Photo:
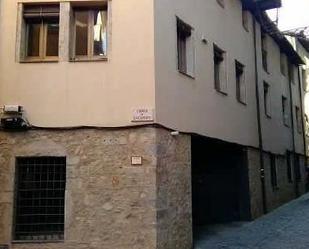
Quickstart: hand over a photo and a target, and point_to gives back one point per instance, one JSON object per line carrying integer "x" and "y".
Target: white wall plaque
{"x": 143, "y": 115}
{"x": 136, "y": 160}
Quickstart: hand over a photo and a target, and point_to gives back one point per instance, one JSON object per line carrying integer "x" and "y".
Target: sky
{"x": 293, "y": 14}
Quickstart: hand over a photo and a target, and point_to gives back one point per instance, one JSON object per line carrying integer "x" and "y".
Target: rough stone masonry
{"x": 109, "y": 203}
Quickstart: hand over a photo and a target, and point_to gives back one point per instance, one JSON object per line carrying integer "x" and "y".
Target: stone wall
{"x": 255, "y": 185}
{"x": 275, "y": 197}
{"x": 174, "y": 191}
{"x": 109, "y": 203}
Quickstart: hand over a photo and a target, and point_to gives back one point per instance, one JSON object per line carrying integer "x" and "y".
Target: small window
{"x": 298, "y": 119}
{"x": 221, "y": 3}
{"x": 289, "y": 166}
{"x": 220, "y": 70}
{"x": 283, "y": 64}
{"x": 245, "y": 19}
{"x": 273, "y": 171}
{"x": 40, "y": 192}
{"x": 42, "y": 32}
{"x": 267, "y": 104}
{"x": 90, "y": 33}
{"x": 304, "y": 80}
{"x": 240, "y": 82}
{"x": 264, "y": 51}
{"x": 297, "y": 168}
{"x": 185, "y": 48}
{"x": 285, "y": 116}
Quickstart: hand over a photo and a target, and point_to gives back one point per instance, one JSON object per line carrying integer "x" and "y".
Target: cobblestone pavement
{"x": 284, "y": 228}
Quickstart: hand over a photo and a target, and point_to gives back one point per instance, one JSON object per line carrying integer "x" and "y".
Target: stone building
{"x": 130, "y": 124}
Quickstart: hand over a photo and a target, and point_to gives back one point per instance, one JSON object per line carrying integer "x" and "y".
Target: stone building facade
{"x": 109, "y": 203}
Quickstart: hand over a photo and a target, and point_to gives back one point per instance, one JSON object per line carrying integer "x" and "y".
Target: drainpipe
{"x": 262, "y": 167}
{"x": 293, "y": 137}
{"x": 302, "y": 115}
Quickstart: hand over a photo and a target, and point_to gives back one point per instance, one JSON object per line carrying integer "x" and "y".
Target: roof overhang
{"x": 285, "y": 46}
{"x": 262, "y": 4}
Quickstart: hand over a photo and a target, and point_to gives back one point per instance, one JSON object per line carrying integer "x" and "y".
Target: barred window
{"x": 39, "y": 204}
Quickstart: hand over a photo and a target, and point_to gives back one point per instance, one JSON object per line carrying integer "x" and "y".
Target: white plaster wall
{"x": 193, "y": 105}
{"x": 277, "y": 137}
{"x": 67, "y": 94}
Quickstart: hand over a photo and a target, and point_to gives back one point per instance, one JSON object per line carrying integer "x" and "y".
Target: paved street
{"x": 285, "y": 228}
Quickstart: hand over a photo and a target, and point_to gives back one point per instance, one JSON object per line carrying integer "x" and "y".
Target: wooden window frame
{"x": 42, "y": 57}
{"x": 42, "y": 45}
{"x": 90, "y": 56}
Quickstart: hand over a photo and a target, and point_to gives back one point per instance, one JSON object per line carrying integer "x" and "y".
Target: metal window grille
{"x": 40, "y": 192}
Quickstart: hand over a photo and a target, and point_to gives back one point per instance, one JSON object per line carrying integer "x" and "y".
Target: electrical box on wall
{"x": 13, "y": 119}
{"x": 12, "y": 109}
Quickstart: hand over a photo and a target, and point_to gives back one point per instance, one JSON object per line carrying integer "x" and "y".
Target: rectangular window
{"x": 267, "y": 104}
{"x": 289, "y": 166}
{"x": 185, "y": 48}
{"x": 90, "y": 33}
{"x": 42, "y": 31}
{"x": 264, "y": 51}
{"x": 40, "y": 192}
{"x": 298, "y": 119}
{"x": 240, "y": 82}
{"x": 297, "y": 168}
{"x": 219, "y": 70}
{"x": 273, "y": 171}
{"x": 245, "y": 19}
{"x": 285, "y": 116}
{"x": 304, "y": 79}
{"x": 283, "y": 64}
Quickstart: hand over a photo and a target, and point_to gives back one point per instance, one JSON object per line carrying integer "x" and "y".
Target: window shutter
{"x": 41, "y": 12}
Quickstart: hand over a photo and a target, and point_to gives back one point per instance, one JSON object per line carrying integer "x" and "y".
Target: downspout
{"x": 293, "y": 137}
{"x": 262, "y": 167}
{"x": 302, "y": 115}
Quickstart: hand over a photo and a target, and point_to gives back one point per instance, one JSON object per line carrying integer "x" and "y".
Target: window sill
{"x": 221, "y": 92}
{"x": 186, "y": 74}
{"x": 242, "y": 102}
{"x": 39, "y": 61}
{"x": 88, "y": 59}
{"x": 286, "y": 125}
{"x": 246, "y": 28}
{"x": 36, "y": 241}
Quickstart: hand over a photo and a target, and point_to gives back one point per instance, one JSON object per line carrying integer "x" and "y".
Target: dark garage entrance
{"x": 220, "y": 189}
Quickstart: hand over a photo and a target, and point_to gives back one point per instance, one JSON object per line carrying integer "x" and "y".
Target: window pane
{"x": 33, "y": 46}
{"x": 81, "y": 28}
{"x": 100, "y": 33}
{"x": 52, "y": 42}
